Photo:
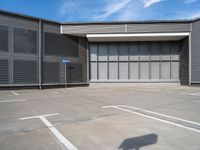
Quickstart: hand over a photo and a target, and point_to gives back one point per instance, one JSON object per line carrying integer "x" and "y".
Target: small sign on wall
{"x": 65, "y": 61}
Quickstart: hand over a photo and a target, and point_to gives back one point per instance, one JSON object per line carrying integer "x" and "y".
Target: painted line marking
{"x": 155, "y": 118}
{"x": 192, "y": 94}
{"x": 51, "y": 127}
{"x": 15, "y": 93}
{"x": 90, "y": 94}
{"x": 11, "y": 101}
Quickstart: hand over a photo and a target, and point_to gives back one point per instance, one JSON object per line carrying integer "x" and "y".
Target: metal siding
{"x": 4, "y": 73}
{"x": 162, "y": 27}
{"x": 93, "y": 71}
{"x": 3, "y": 38}
{"x": 61, "y": 45}
{"x": 24, "y": 72}
{"x": 165, "y": 70}
{"x": 21, "y": 49}
{"x": 123, "y": 52}
{"x": 133, "y": 52}
{"x": 144, "y": 70}
{"x": 51, "y": 72}
{"x": 113, "y": 52}
{"x": 123, "y": 28}
{"x": 123, "y": 71}
{"x": 184, "y": 62}
{"x": 135, "y": 61}
{"x": 102, "y": 71}
{"x": 195, "y": 54}
{"x": 155, "y": 70}
{"x": 80, "y": 29}
{"x": 134, "y": 74}
{"x": 143, "y": 51}
{"x": 102, "y": 52}
{"x": 113, "y": 71}
{"x": 93, "y": 52}
{"x": 175, "y": 70}
{"x": 25, "y": 41}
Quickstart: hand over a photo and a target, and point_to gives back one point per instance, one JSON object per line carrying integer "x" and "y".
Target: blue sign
{"x": 65, "y": 61}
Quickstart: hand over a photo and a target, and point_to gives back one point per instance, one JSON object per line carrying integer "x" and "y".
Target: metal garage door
{"x": 134, "y": 62}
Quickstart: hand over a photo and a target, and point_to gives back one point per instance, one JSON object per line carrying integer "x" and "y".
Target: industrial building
{"x": 39, "y": 52}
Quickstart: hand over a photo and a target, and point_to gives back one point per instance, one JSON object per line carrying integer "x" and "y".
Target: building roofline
{"x": 103, "y": 22}
{"x": 134, "y": 22}
{"x": 27, "y": 16}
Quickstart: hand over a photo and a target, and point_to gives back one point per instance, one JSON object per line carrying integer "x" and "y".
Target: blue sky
{"x": 104, "y": 10}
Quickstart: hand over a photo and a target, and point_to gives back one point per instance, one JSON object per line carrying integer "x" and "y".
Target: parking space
{"x": 101, "y": 117}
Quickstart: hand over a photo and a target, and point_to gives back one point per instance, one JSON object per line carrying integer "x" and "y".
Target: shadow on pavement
{"x": 136, "y": 143}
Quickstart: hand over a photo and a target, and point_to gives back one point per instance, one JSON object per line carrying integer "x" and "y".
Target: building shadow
{"x": 136, "y": 143}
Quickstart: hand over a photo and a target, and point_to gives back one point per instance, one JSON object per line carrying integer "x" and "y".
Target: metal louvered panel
{"x": 135, "y": 61}
{"x": 195, "y": 52}
{"x": 74, "y": 72}
{"x": 51, "y": 72}
{"x": 61, "y": 45}
{"x": 4, "y": 72}
{"x": 25, "y": 41}
{"x": 3, "y": 38}
{"x": 24, "y": 72}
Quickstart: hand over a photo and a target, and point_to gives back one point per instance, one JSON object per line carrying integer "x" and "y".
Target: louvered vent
{"x": 51, "y": 72}
{"x": 3, "y": 38}
{"x": 25, "y": 41}
{"x": 3, "y": 71}
{"x": 74, "y": 73}
{"x": 24, "y": 72}
{"x": 61, "y": 45}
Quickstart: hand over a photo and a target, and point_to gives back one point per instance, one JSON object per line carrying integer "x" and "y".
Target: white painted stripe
{"x": 159, "y": 114}
{"x": 154, "y": 118}
{"x": 138, "y": 35}
{"x": 59, "y": 136}
{"x": 11, "y": 101}
{"x": 15, "y": 93}
{"x": 192, "y": 94}
{"x": 33, "y": 117}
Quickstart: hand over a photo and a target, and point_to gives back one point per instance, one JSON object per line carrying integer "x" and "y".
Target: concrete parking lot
{"x": 101, "y": 117}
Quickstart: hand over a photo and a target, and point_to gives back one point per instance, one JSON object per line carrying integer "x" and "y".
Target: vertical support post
{"x": 40, "y": 54}
{"x": 190, "y": 61}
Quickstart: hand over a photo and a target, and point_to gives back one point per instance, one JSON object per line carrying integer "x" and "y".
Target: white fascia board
{"x": 61, "y": 29}
{"x": 137, "y": 35}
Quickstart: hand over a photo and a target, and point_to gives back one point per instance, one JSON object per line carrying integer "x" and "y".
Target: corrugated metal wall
{"x": 19, "y": 53}
{"x": 18, "y": 50}
{"x": 58, "y": 47}
{"x": 134, "y": 61}
{"x": 125, "y": 28}
{"x": 195, "y": 48}
{"x": 184, "y": 62}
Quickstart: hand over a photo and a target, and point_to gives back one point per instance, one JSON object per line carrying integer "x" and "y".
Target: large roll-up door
{"x": 134, "y": 61}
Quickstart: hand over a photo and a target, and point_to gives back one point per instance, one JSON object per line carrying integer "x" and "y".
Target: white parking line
{"x": 192, "y": 94}
{"x": 155, "y": 118}
{"x": 59, "y": 136}
{"x": 15, "y": 93}
{"x": 11, "y": 101}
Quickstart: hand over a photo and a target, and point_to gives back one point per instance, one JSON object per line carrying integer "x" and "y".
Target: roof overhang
{"x": 137, "y": 37}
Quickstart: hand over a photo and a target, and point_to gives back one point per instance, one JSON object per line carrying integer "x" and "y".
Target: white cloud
{"x": 148, "y": 3}
{"x": 67, "y": 6}
{"x": 113, "y": 6}
{"x": 191, "y": 1}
